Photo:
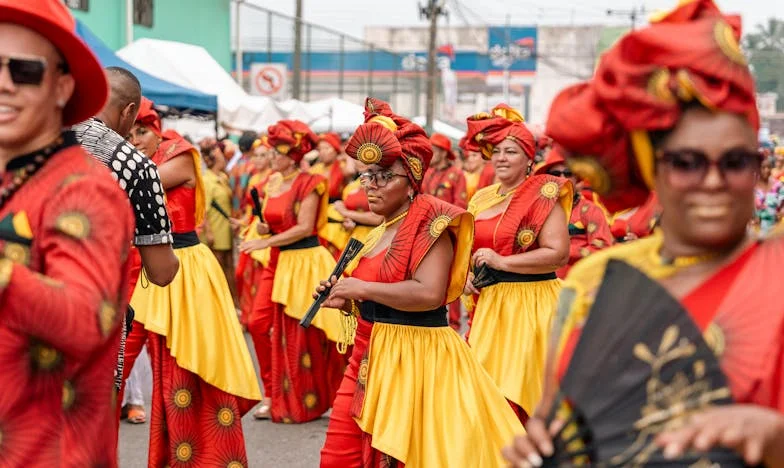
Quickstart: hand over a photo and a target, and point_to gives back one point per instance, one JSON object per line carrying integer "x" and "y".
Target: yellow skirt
{"x": 262, "y": 256}
{"x": 196, "y": 314}
{"x": 333, "y": 232}
{"x": 297, "y": 276}
{"x": 429, "y": 403}
{"x": 509, "y": 335}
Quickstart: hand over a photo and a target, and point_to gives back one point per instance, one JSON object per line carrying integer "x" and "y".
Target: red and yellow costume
{"x": 448, "y": 183}
{"x": 300, "y": 368}
{"x": 511, "y": 320}
{"x": 397, "y": 400}
{"x": 332, "y": 233}
{"x": 203, "y": 376}
{"x": 588, "y": 228}
{"x": 479, "y": 179}
{"x": 66, "y": 228}
{"x": 639, "y": 221}
{"x": 741, "y": 315}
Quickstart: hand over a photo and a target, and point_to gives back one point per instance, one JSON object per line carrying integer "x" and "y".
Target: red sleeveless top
{"x": 280, "y": 210}
{"x": 180, "y": 200}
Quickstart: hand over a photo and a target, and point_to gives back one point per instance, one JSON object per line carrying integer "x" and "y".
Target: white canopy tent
{"x": 192, "y": 66}
{"x": 335, "y": 115}
{"x": 453, "y": 133}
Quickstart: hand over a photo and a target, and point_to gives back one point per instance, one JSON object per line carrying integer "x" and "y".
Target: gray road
{"x": 268, "y": 445}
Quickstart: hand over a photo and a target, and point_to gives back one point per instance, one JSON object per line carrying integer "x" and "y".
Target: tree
{"x": 765, "y": 48}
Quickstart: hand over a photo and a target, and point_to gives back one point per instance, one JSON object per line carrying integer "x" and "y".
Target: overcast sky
{"x": 351, "y": 16}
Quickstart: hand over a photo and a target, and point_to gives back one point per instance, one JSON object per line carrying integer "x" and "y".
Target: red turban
{"x": 486, "y": 131}
{"x": 292, "y": 138}
{"x": 442, "y": 141}
{"x": 332, "y": 138}
{"x": 554, "y": 157}
{"x": 148, "y": 117}
{"x": 640, "y": 85}
{"x": 386, "y": 137}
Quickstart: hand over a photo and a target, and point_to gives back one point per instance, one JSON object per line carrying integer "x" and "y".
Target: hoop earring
{"x": 528, "y": 170}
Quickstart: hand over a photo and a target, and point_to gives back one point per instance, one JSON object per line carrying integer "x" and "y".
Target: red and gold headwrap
{"x": 688, "y": 55}
{"x": 442, "y": 141}
{"x": 332, "y": 138}
{"x": 148, "y": 117}
{"x": 485, "y": 131}
{"x": 386, "y": 137}
{"x": 292, "y": 138}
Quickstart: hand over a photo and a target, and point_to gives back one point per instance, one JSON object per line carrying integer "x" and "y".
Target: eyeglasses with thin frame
{"x": 27, "y": 70}
{"x": 380, "y": 179}
{"x": 688, "y": 168}
{"x": 565, "y": 173}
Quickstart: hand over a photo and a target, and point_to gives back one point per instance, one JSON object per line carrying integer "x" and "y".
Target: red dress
{"x": 65, "y": 236}
{"x": 300, "y": 368}
{"x": 191, "y": 420}
{"x": 588, "y": 232}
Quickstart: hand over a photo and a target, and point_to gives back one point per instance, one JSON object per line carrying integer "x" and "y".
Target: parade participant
{"x": 217, "y": 231}
{"x": 358, "y": 219}
{"x": 443, "y": 180}
{"x": 478, "y": 172}
{"x": 768, "y": 198}
{"x": 588, "y": 228}
{"x": 333, "y": 234}
{"x": 636, "y": 222}
{"x": 249, "y": 267}
{"x": 137, "y": 175}
{"x": 300, "y": 368}
{"x": 703, "y": 255}
{"x": 397, "y": 400}
{"x": 65, "y": 231}
{"x": 242, "y": 171}
{"x": 521, "y": 234}
{"x": 203, "y": 376}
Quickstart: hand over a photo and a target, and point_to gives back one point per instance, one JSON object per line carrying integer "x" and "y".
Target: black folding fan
{"x": 640, "y": 367}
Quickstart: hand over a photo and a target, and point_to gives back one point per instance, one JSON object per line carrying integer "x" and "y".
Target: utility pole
{"x": 432, "y": 11}
{"x": 296, "y": 81}
{"x": 238, "y": 41}
{"x": 632, "y": 14}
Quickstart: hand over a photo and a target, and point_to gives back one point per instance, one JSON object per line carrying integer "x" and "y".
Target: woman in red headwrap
{"x": 397, "y": 403}
{"x": 658, "y": 101}
{"x": 337, "y": 171}
{"x": 300, "y": 368}
{"x": 588, "y": 228}
{"x": 478, "y": 172}
{"x": 521, "y": 238}
{"x": 203, "y": 375}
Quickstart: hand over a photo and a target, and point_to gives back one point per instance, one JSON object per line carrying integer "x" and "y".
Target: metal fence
{"x": 333, "y": 64}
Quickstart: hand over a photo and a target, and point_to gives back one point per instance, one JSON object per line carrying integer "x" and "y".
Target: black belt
{"x": 185, "y": 239}
{"x": 333, "y": 220}
{"x": 574, "y": 230}
{"x": 375, "y": 312}
{"x": 306, "y": 243}
{"x": 335, "y": 199}
{"x": 485, "y": 276}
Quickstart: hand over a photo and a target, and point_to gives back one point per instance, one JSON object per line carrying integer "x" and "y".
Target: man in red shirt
{"x": 65, "y": 231}
{"x": 444, "y": 180}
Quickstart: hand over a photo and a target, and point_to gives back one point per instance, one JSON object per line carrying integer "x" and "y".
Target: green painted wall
{"x": 201, "y": 22}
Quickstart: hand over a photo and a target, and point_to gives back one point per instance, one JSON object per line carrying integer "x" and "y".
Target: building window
{"x": 83, "y": 5}
{"x": 142, "y": 12}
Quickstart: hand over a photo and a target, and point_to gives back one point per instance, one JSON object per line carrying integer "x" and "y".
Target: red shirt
{"x": 447, "y": 184}
{"x": 62, "y": 299}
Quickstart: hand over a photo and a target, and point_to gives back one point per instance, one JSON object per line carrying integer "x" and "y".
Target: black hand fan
{"x": 254, "y": 198}
{"x": 639, "y": 368}
{"x": 351, "y": 251}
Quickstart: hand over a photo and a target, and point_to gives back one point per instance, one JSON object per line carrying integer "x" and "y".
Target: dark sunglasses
{"x": 689, "y": 167}
{"x": 27, "y": 71}
{"x": 565, "y": 173}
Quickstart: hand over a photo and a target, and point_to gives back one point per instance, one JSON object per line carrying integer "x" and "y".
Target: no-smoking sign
{"x": 268, "y": 79}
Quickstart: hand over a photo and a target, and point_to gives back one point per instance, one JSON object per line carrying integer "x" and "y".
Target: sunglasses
{"x": 687, "y": 168}
{"x": 27, "y": 71}
{"x": 379, "y": 179}
{"x": 565, "y": 173}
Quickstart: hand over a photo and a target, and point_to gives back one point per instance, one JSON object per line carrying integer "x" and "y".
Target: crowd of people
{"x": 448, "y": 339}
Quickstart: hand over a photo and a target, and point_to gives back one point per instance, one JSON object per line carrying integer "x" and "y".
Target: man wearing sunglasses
{"x": 65, "y": 230}
{"x": 588, "y": 227}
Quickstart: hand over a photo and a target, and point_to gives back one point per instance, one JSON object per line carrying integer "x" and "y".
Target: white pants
{"x": 134, "y": 385}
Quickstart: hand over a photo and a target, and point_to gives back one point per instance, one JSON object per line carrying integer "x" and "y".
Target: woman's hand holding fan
{"x": 755, "y": 432}
{"x": 527, "y": 450}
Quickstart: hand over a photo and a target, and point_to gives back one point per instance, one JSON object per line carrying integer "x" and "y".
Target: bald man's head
{"x": 125, "y": 96}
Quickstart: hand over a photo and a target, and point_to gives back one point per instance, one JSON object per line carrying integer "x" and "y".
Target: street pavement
{"x": 268, "y": 445}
